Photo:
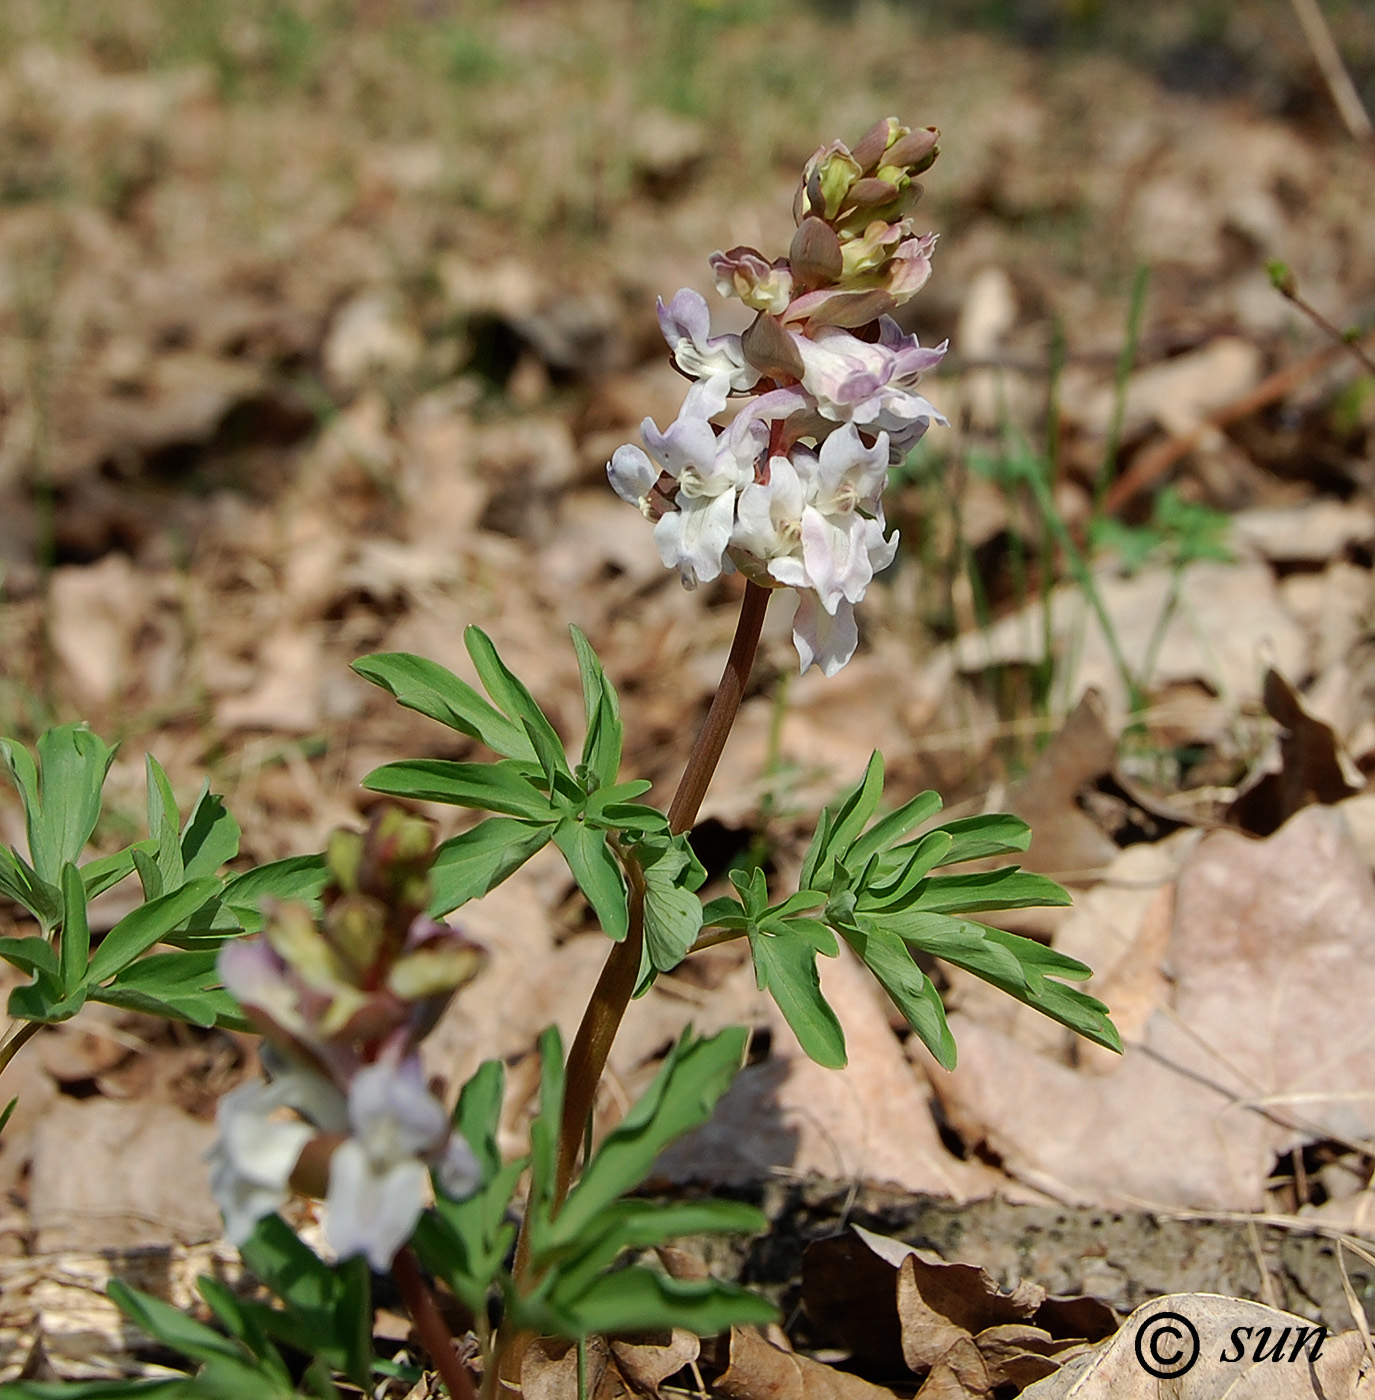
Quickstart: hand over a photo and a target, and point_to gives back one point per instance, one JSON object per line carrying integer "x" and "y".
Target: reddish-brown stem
{"x": 588, "y": 1055}
{"x": 592, "y": 1045}
{"x": 431, "y": 1327}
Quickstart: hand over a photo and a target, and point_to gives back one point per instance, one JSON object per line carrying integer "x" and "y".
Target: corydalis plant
{"x": 353, "y": 966}
{"x": 790, "y": 492}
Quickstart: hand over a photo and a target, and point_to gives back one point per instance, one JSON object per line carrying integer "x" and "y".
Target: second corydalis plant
{"x": 342, "y": 1004}
{"x": 790, "y": 493}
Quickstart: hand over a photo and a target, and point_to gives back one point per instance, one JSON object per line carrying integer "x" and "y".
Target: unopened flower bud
{"x": 343, "y": 856}
{"x": 770, "y": 349}
{"x": 915, "y": 152}
{"x": 876, "y": 141}
{"x": 760, "y": 284}
{"x": 356, "y": 927}
{"x": 815, "y": 255}
{"x": 828, "y": 177}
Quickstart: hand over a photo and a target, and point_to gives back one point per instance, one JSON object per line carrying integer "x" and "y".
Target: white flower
{"x": 379, "y": 1177}
{"x": 257, "y": 1150}
{"x": 805, "y": 522}
{"x": 686, "y": 324}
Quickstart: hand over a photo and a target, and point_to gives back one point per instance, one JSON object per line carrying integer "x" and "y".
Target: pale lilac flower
{"x": 871, "y": 384}
{"x": 379, "y": 1177}
{"x": 707, "y": 470}
{"x": 826, "y": 640}
{"x": 686, "y": 324}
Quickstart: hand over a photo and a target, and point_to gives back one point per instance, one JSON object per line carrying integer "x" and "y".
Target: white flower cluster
{"x": 790, "y": 493}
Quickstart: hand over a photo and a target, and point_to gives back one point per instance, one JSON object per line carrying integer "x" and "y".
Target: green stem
{"x": 431, "y": 1327}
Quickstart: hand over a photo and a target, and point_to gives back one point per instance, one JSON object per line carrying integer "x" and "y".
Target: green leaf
{"x": 511, "y": 697}
{"x": 911, "y": 990}
{"x": 6, "y": 1112}
{"x": 243, "y": 1321}
{"x": 919, "y": 859}
{"x": 645, "y": 1225}
{"x": 19, "y": 883}
{"x": 107, "y": 871}
{"x": 846, "y": 821}
{"x": 329, "y": 1308}
{"x": 149, "y": 873}
{"x": 295, "y": 878}
{"x": 426, "y": 687}
{"x": 151, "y": 923}
{"x": 164, "y": 823}
{"x": 44, "y": 999}
{"x": 994, "y": 834}
{"x": 672, "y": 913}
{"x": 681, "y": 1097}
{"x": 172, "y": 1388}
{"x": 487, "y": 787}
{"x": 210, "y": 838}
{"x": 477, "y": 1116}
{"x": 598, "y": 874}
{"x": 1009, "y": 888}
{"x": 181, "y": 986}
{"x": 466, "y": 1242}
{"x": 76, "y": 931}
{"x": 32, "y": 954}
{"x": 172, "y": 1327}
{"x": 785, "y": 966}
{"x": 469, "y": 865}
{"x": 1019, "y": 966}
{"x": 892, "y": 828}
{"x": 602, "y": 743}
{"x": 639, "y": 1299}
{"x": 544, "y": 1135}
{"x": 724, "y": 912}
{"x": 61, "y": 793}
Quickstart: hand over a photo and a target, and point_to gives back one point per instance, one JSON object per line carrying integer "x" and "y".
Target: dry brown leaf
{"x": 111, "y": 1173}
{"x": 645, "y": 1363}
{"x": 1306, "y": 764}
{"x": 758, "y": 1370}
{"x": 958, "y": 1374}
{"x": 1115, "y": 1370}
{"x": 1266, "y": 1043}
{"x": 1227, "y": 615}
{"x": 868, "y": 1122}
{"x": 549, "y": 1370}
{"x": 1179, "y": 393}
{"x": 1312, "y": 533}
{"x": 898, "y": 1309}
{"x": 97, "y": 612}
{"x": 1065, "y": 839}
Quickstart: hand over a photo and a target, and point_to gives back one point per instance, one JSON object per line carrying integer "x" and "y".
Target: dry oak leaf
{"x": 900, "y": 1310}
{"x": 758, "y": 1370}
{"x": 1226, "y": 1335}
{"x": 1263, "y": 1045}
